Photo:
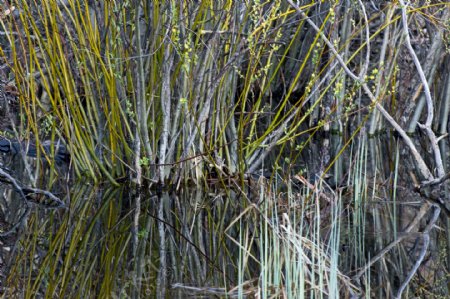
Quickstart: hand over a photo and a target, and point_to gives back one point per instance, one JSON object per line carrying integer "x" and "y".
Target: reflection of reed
{"x": 201, "y": 241}
{"x": 190, "y": 241}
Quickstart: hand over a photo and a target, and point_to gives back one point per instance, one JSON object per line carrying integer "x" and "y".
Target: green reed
{"x": 164, "y": 91}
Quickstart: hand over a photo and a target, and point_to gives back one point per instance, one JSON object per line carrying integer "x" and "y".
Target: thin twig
{"x": 424, "y": 170}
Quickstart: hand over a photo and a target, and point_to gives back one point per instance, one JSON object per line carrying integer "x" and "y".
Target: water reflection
{"x": 123, "y": 242}
{"x": 103, "y": 245}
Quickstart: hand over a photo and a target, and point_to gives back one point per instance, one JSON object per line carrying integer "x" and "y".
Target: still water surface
{"x": 205, "y": 243}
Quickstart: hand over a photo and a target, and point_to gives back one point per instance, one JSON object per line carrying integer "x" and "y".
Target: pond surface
{"x": 99, "y": 245}
{"x": 260, "y": 239}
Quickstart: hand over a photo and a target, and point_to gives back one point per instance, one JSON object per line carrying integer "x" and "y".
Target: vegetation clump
{"x": 282, "y": 100}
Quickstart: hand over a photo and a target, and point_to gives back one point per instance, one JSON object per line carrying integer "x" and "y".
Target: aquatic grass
{"x": 359, "y": 183}
{"x": 69, "y": 87}
{"x": 294, "y": 259}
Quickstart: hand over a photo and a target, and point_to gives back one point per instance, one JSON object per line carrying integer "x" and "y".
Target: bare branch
{"x": 423, "y": 168}
{"x": 426, "y": 88}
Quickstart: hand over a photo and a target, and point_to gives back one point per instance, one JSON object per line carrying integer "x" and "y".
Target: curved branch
{"x": 423, "y": 168}
{"x": 426, "y": 88}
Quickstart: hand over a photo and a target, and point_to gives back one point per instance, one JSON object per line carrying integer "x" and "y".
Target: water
{"x": 218, "y": 242}
{"x": 93, "y": 248}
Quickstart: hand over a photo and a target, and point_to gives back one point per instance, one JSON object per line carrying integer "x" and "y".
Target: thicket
{"x": 184, "y": 91}
{"x": 178, "y": 90}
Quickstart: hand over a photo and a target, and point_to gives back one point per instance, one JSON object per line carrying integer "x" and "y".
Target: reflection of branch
{"x": 12, "y": 181}
{"x": 25, "y": 191}
{"x": 423, "y": 190}
{"x": 18, "y": 223}
{"x": 426, "y": 242}
{"x": 423, "y": 210}
{"x": 208, "y": 259}
{"x": 46, "y": 193}
{"x": 434, "y": 182}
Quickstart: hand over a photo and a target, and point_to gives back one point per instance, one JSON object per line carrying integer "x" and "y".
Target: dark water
{"x": 126, "y": 243}
{"x": 100, "y": 246}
